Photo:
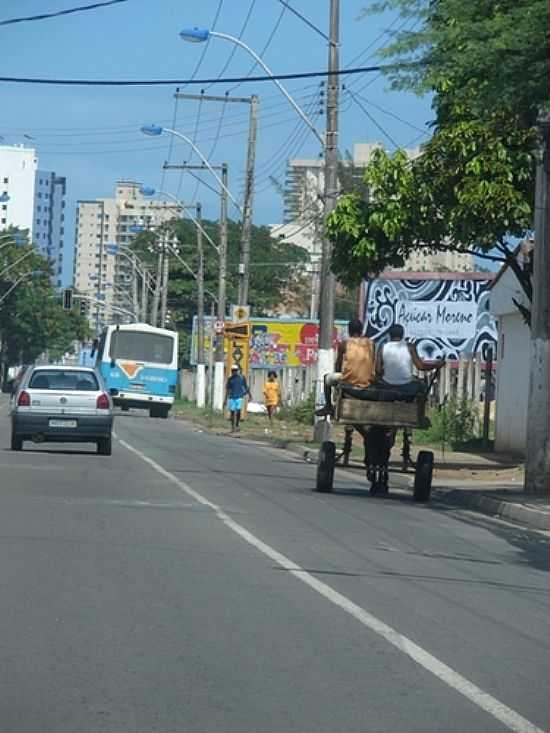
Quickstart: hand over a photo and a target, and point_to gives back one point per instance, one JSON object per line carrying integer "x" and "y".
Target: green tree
{"x": 32, "y": 319}
{"x": 276, "y": 273}
{"x": 472, "y": 189}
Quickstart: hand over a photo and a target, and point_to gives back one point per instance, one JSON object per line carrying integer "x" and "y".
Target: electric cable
{"x": 58, "y": 13}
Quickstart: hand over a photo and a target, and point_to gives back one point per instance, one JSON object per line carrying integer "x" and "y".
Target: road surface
{"x": 193, "y": 583}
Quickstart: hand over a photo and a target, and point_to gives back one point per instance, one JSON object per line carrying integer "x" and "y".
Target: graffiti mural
{"x": 443, "y": 316}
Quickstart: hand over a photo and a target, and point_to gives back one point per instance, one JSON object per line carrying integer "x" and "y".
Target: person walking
{"x": 235, "y": 391}
{"x": 272, "y": 394}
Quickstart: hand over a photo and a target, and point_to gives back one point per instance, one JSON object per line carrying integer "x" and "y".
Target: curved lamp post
{"x": 201, "y": 35}
{"x": 157, "y": 130}
{"x": 200, "y": 387}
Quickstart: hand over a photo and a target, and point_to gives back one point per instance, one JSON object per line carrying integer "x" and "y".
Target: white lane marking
{"x": 508, "y": 717}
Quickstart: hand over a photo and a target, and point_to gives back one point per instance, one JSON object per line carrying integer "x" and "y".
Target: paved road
{"x": 195, "y": 584}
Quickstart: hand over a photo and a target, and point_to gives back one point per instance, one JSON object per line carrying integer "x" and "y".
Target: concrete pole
{"x": 135, "y": 299}
{"x": 165, "y": 278}
{"x": 537, "y": 476}
{"x": 201, "y": 362}
{"x": 219, "y": 366}
{"x": 244, "y": 260}
{"x": 325, "y": 362}
{"x": 144, "y": 296}
{"x": 156, "y": 295}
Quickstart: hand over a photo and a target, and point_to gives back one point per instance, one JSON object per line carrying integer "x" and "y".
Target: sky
{"x": 92, "y": 135}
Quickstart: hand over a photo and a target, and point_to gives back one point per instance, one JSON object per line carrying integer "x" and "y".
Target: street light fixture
{"x": 156, "y": 130}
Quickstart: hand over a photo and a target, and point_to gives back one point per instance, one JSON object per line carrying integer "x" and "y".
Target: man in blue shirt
{"x": 235, "y": 392}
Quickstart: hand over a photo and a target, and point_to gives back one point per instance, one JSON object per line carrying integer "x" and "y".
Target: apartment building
{"x": 302, "y": 214}
{"x": 104, "y": 279}
{"x": 35, "y": 201}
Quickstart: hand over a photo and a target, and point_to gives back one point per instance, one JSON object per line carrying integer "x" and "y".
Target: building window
{"x": 6, "y": 180}
{"x": 4, "y": 207}
{"x": 4, "y": 221}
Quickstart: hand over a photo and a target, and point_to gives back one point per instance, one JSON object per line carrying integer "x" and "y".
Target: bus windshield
{"x": 141, "y": 346}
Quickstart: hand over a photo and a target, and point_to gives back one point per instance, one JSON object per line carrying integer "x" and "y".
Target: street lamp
{"x": 4, "y": 198}
{"x": 219, "y": 367}
{"x": 329, "y": 144}
{"x": 199, "y": 277}
{"x": 157, "y": 130}
{"x": 201, "y": 35}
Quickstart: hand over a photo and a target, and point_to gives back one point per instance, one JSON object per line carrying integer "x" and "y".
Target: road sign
{"x": 240, "y": 313}
{"x": 240, "y": 330}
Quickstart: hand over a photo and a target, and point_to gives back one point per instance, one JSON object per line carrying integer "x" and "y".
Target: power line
{"x": 181, "y": 82}
{"x": 241, "y": 33}
{"x": 265, "y": 47}
{"x": 68, "y": 11}
{"x": 387, "y": 112}
{"x": 305, "y": 20}
{"x": 371, "y": 118}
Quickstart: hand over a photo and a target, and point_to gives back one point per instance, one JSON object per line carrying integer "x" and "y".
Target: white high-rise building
{"x": 36, "y": 202}
{"x": 303, "y": 211}
{"x": 103, "y": 278}
{"x": 18, "y": 166}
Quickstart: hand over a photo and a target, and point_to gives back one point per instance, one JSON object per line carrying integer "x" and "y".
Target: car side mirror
{"x": 113, "y": 392}
{"x": 113, "y": 363}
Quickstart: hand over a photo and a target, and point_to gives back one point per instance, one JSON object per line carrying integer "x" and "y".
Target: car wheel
{"x": 16, "y": 442}
{"x": 105, "y": 446}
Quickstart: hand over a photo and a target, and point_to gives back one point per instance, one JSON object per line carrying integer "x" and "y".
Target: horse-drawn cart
{"x": 376, "y": 415}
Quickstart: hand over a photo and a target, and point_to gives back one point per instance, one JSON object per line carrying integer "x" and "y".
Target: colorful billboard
{"x": 277, "y": 343}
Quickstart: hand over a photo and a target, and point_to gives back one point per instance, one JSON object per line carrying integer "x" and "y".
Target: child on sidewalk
{"x": 272, "y": 394}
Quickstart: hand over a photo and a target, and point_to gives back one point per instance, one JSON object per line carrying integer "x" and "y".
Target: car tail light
{"x": 24, "y": 400}
{"x": 102, "y": 402}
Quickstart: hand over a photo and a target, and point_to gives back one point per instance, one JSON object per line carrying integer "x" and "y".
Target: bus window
{"x": 140, "y": 346}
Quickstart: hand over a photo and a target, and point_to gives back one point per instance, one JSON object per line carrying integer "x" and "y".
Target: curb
{"x": 493, "y": 506}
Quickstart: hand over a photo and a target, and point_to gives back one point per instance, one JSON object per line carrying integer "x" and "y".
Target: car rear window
{"x": 66, "y": 381}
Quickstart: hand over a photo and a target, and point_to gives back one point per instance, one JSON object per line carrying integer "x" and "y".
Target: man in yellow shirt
{"x": 272, "y": 394}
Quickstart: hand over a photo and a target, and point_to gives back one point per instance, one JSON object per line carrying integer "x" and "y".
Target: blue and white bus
{"x": 139, "y": 364}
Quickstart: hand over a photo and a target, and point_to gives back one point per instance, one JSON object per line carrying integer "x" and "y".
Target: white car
{"x": 62, "y": 404}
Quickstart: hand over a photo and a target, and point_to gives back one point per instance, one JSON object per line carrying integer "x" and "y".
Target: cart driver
{"x": 355, "y": 365}
{"x": 395, "y": 361}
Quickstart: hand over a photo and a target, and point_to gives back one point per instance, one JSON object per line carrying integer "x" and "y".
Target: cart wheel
{"x": 423, "y": 476}
{"x": 325, "y": 467}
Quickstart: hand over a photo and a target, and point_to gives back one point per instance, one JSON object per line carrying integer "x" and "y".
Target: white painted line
{"x": 508, "y": 717}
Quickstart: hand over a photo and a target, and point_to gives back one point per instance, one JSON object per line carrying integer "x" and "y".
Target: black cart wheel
{"x": 325, "y": 467}
{"x": 423, "y": 476}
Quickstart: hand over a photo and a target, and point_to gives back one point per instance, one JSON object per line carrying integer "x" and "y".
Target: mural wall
{"x": 443, "y": 316}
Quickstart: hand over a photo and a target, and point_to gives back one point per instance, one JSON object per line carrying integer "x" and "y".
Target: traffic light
{"x": 83, "y": 307}
{"x": 67, "y": 299}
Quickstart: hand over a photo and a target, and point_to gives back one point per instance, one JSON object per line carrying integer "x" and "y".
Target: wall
{"x": 512, "y": 384}
{"x": 17, "y": 178}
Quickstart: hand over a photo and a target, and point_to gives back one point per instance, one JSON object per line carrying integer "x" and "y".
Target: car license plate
{"x": 63, "y": 423}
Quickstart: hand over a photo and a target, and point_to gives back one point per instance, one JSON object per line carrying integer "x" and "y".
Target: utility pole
{"x": 219, "y": 366}
{"x": 325, "y": 362}
{"x": 244, "y": 259}
{"x": 156, "y": 295}
{"x": 201, "y": 361}
{"x": 537, "y": 476}
{"x": 144, "y": 296}
{"x": 100, "y": 269}
{"x": 165, "y": 278}
{"x": 244, "y": 256}
{"x": 135, "y": 299}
